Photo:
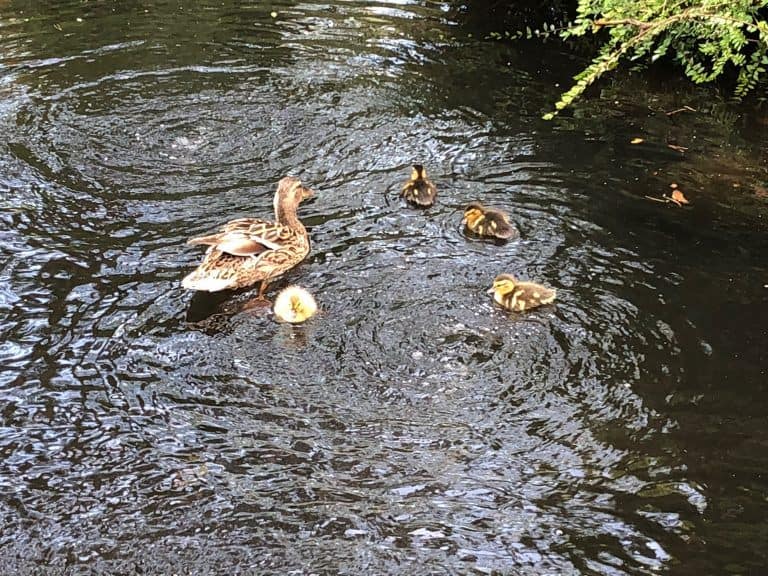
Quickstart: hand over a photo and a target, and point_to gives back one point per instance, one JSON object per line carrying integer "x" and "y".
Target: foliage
{"x": 708, "y": 38}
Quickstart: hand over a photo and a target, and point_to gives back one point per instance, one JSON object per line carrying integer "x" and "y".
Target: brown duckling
{"x": 519, "y": 296}
{"x": 294, "y": 304}
{"x": 419, "y": 190}
{"x": 488, "y": 222}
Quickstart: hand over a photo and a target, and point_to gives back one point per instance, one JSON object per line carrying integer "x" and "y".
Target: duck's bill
{"x": 490, "y": 290}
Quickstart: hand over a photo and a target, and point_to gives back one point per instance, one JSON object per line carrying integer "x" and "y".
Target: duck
{"x": 488, "y": 222}
{"x": 518, "y": 296}
{"x": 294, "y": 304}
{"x": 419, "y": 190}
{"x": 249, "y": 250}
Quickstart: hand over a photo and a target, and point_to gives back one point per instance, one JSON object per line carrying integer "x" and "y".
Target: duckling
{"x": 519, "y": 296}
{"x": 294, "y": 304}
{"x": 419, "y": 190}
{"x": 488, "y": 222}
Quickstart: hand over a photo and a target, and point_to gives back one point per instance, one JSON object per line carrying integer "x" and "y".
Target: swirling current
{"x": 412, "y": 427}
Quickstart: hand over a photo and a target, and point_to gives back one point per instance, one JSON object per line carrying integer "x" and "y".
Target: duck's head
{"x": 294, "y": 304}
{"x": 291, "y": 191}
{"x": 472, "y": 212}
{"x": 418, "y": 172}
{"x": 503, "y": 284}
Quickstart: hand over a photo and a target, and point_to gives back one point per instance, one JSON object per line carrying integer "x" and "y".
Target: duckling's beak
{"x": 490, "y": 290}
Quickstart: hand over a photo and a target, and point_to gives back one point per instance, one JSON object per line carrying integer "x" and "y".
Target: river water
{"x": 412, "y": 427}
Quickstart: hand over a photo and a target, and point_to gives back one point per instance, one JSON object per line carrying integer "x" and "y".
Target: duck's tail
{"x": 507, "y": 231}
{"x": 211, "y": 240}
{"x": 197, "y": 281}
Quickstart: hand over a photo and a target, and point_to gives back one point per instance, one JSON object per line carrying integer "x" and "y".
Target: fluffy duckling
{"x": 488, "y": 222}
{"x": 294, "y": 304}
{"x": 419, "y": 190}
{"x": 519, "y": 296}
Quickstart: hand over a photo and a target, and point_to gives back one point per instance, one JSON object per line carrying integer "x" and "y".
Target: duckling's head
{"x": 503, "y": 284}
{"x": 472, "y": 212}
{"x": 294, "y": 304}
{"x": 418, "y": 172}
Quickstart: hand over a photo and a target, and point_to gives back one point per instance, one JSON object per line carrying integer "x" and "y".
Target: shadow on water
{"x": 411, "y": 427}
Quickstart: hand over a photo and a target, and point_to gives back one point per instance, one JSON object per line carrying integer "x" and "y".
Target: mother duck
{"x": 250, "y": 250}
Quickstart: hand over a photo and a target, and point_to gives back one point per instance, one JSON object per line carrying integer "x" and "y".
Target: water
{"x": 413, "y": 427}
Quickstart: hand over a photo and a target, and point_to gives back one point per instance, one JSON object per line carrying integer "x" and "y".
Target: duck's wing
{"x": 245, "y": 251}
{"x": 535, "y": 294}
{"x": 247, "y": 237}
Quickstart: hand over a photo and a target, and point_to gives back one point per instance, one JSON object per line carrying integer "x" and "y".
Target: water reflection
{"x": 412, "y": 426}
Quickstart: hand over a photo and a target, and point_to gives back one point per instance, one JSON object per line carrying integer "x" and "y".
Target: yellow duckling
{"x": 519, "y": 296}
{"x": 419, "y": 190}
{"x": 294, "y": 304}
{"x": 488, "y": 222}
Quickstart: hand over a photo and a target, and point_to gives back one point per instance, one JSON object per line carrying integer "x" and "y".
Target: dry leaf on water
{"x": 678, "y": 197}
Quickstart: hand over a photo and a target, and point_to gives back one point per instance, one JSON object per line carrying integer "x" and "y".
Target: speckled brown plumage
{"x": 520, "y": 296}
{"x": 419, "y": 190}
{"x": 489, "y": 222}
{"x": 250, "y": 250}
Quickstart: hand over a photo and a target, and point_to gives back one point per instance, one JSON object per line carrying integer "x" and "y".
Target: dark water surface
{"x": 413, "y": 427}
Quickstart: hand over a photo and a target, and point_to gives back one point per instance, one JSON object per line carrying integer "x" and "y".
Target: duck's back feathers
{"x": 222, "y": 270}
{"x": 520, "y": 296}
{"x": 489, "y": 222}
{"x": 271, "y": 234}
{"x": 497, "y": 224}
{"x": 525, "y": 296}
{"x": 419, "y": 190}
{"x": 242, "y": 245}
{"x": 420, "y": 193}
